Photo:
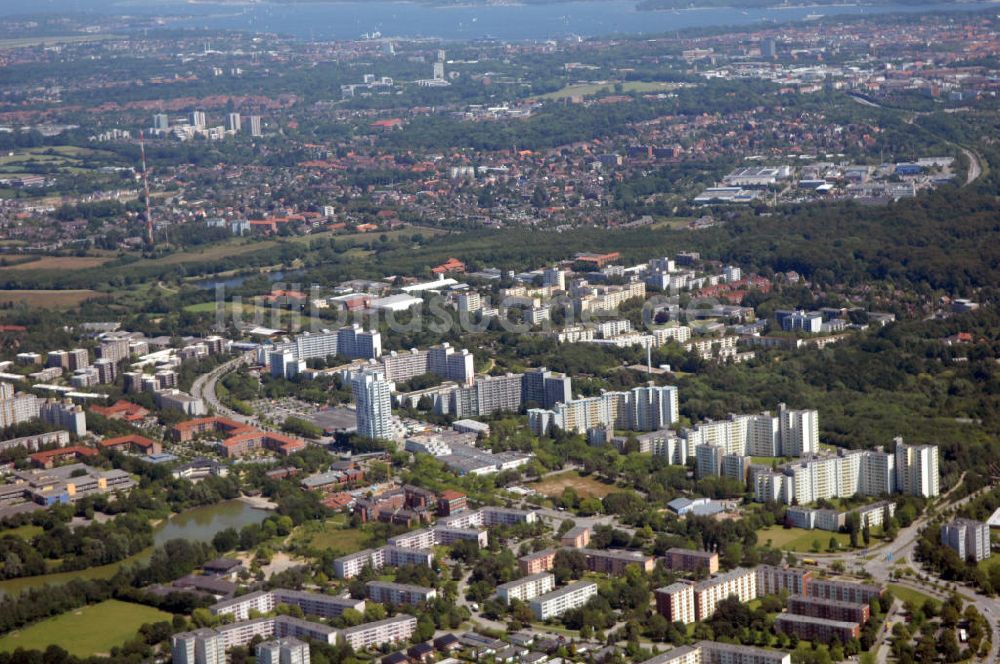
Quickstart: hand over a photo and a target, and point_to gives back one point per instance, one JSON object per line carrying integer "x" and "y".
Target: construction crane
{"x": 145, "y": 186}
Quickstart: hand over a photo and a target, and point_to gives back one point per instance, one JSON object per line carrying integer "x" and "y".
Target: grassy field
{"x": 591, "y": 89}
{"x": 909, "y": 594}
{"x": 240, "y": 246}
{"x": 25, "y": 532}
{"x": 585, "y": 487}
{"x": 989, "y": 563}
{"x": 91, "y": 630}
{"x": 799, "y": 539}
{"x": 57, "y": 155}
{"x": 48, "y": 299}
{"x": 59, "y": 263}
{"x": 333, "y": 535}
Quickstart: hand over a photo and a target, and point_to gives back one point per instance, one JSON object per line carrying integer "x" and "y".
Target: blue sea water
{"x": 348, "y": 20}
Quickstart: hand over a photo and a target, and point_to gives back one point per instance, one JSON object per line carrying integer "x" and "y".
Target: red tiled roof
{"x": 77, "y": 450}
{"x": 138, "y": 441}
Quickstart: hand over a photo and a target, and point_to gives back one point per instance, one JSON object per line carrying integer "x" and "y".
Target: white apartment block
{"x": 613, "y": 328}
{"x": 265, "y": 601}
{"x": 917, "y": 471}
{"x": 451, "y": 364}
{"x": 676, "y": 602}
{"x": 968, "y": 538}
{"x": 426, "y": 538}
{"x": 526, "y": 588}
{"x": 386, "y": 592}
{"x": 790, "y": 433}
{"x": 469, "y": 302}
{"x": 351, "y": 565}
{"x": 489, "y": 516}
{"x": 664, "y": 335}
{"x": 208, "y": 646}
{"x": 558, "y": 602}
{"x": 288, "y": 650}
{"x": 65, "y": 415}
{"x": 496, "y": 394}
{"x": 666, "y": 444}
{"x": 648, "y": 408}
{"x": 712, "y": 652}
{"x": 851, "y": 472}
{"x": 17, "y": 408}
{"x": 740, "y": 582}
{"x": 373, "y": 404}
{"x": 442, "y": 360}
{"x": 397, "y": 629}
{"x": 799, "y": 431}
{"x": 708, "y": 460}
{"x": 653, "y": 408}
{"x": 351, "y": 341}
{"x": 203, "y": 646}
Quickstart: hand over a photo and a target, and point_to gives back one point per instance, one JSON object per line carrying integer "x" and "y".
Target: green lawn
{"x": 334, "y": 535}
{"x": 25, "y": 532}
{"x": 799, "y": 539}
{"x": 909, "y": 594}
{"x": 91, "y": 630}
{"x": 989, "y": 563}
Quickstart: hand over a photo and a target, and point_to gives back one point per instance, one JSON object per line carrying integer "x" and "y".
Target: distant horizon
{"x": 339, "y": 20}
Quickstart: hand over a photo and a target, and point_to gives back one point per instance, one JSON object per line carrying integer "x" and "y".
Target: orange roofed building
{"x": 185, "y": 431}
{"x": 253, "y": 439}
{"x": 598, "y": 260}
{"x": 242, "y": 438}
{"x": 391, "y": 123}
{"x": 121, "y": 410}
{"x": 134, "y": 444}
{"x": 50, "y": 458}
{"x": 450, "y": 265}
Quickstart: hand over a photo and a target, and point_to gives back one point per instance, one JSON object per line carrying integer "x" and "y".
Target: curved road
{"x": 204, "y": 387}
{"x": 880, "y": 566}
{"x": 975, "y": 166}
{"x": 975, "y": 161}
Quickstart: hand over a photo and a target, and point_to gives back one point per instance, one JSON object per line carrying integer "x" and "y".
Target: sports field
{"x": 800, "y": 540}
{"x": 585, "y": 487}
{"x": 87, "y": 631}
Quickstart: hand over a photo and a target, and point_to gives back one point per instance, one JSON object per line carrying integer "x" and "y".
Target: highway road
{"x": 975, "y": 166}
{"x": 880, "y": 566}
{"x": 204, "y": 387}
